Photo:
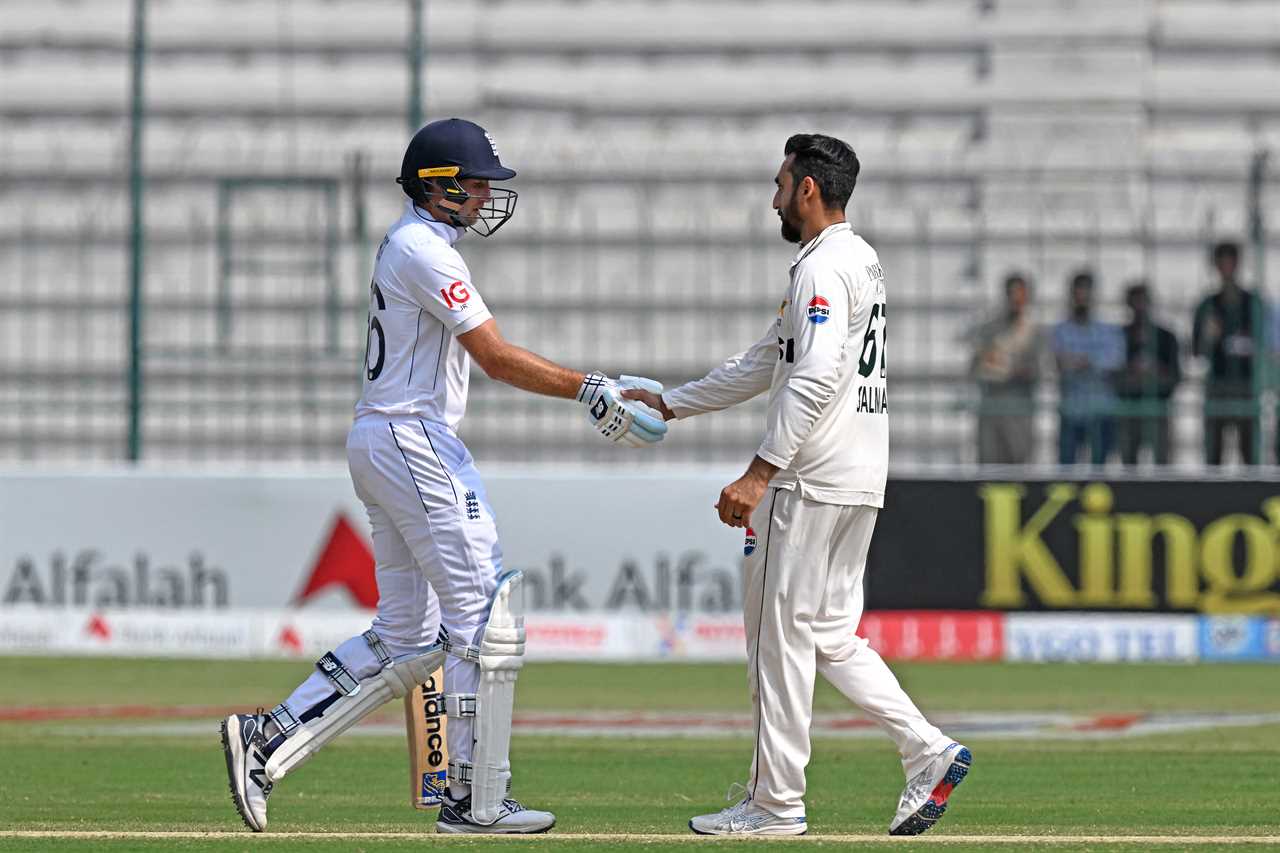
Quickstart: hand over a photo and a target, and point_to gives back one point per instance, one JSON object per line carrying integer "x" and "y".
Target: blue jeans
{"x": 1094, "y": 431}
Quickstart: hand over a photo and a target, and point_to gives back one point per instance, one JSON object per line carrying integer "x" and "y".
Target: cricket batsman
{"x": 808, "y": 502}
{"x": 434, "y": 532}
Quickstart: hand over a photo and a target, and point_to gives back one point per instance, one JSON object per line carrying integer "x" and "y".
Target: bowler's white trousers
{"x": 433, "y": 535}
{"x": 802, "y": 601}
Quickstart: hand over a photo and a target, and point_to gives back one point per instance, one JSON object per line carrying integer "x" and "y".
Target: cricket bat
{"x": 424, "y": 720}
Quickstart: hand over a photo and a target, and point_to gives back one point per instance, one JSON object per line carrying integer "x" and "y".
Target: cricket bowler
{"x": 433, "y": 528}
{"x": 808, "y": 502}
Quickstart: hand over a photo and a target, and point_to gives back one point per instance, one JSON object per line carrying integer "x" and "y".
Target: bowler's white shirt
{"x": 822, "y": 362}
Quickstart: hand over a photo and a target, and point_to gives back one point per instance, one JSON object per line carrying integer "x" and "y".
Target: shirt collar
{"x": 807, "y": 248}
{"x": 450, "y": 233}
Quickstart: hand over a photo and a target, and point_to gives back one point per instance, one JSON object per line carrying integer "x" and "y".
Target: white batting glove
{"x": 629, "y": 423}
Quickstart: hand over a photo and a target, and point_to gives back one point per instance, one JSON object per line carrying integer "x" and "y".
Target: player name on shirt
{"x": 873, "y": 399}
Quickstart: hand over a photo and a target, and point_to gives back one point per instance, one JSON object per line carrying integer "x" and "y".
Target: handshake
{"x": 624, "y": 410}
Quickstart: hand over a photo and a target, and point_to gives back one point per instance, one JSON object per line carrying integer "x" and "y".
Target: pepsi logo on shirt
{"x": 819, "y": 310}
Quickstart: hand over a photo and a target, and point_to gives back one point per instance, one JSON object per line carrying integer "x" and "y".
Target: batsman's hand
{"x": 651, "y": 399}
{"x": 627, "y": 422}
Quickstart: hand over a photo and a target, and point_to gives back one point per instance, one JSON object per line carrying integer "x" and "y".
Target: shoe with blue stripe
{"x": 924, "y": 800}
{"x": 513, "y": 819}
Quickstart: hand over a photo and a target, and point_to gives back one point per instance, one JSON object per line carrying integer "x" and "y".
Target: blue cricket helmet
{"x": 449, "y": 150}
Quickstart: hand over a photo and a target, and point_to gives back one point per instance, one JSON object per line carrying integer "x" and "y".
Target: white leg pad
{"x": 393, "y": 681}
{"x": 500, "y": 654}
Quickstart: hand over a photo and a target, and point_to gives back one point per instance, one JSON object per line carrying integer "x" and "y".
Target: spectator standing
{"x": 1006, "y": 366}
{"x": 1151, "y": 373}
{"x": 1088, "y": 354}
{"x": 1226, "y": 330}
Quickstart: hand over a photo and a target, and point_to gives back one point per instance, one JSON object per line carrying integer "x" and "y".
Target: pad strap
{"x": 460, "y": 704}
{"x": 284, "y": 719}
{"x": 376, "y": 646}
{"x": 343, "y": 709}
{"x": 463, "y": 772}
{"x": 467, "y": 653}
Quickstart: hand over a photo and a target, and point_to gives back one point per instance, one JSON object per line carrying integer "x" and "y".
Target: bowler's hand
{"x": 650, "y": 399}
{"x": 741, "y": 497}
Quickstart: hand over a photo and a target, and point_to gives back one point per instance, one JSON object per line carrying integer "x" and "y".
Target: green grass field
{"x": 1220, "y": 783}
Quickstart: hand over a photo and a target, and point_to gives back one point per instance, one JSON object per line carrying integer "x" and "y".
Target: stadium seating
{"x": 1040, "y": 135}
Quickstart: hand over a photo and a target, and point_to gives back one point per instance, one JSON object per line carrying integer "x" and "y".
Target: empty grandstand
{"x": 1041, "y": 135}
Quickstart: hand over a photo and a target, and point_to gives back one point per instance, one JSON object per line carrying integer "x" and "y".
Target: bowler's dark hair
{"x": 830, "y": 162}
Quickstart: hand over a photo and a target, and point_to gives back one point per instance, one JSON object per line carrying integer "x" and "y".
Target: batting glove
{"x": 629, "y": 423}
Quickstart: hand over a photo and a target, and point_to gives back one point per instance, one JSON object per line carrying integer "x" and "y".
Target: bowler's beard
{"x": 790, "y": 232}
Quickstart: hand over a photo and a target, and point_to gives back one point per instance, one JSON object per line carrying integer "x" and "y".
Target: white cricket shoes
{"x": 925, "y": 798}
{"x": 513, "y": 819}
{"x": 746, "y": 818}
{"x": 244, "y": 744}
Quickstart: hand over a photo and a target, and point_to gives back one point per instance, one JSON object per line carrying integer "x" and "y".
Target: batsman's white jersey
{"x": 434, "y": 535}
{"x": 420, "y": 298}
{"x": 823, "y": 363}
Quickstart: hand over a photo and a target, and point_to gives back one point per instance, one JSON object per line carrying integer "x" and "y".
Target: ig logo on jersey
{"x": 456, "y": 296}
{"x": 749, "y": 545}
{"x": 819, "y": 310}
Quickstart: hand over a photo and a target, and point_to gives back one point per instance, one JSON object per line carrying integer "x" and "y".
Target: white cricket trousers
{"x": 434, "y": 537}
{"x": 802, "y": 601}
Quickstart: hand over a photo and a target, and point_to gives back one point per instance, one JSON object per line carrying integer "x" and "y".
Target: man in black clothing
{"x": 1228, "y": 330}
{"x": 1151, "y": 372}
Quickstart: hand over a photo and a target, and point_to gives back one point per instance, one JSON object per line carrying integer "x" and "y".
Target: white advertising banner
{"x": 647, "y": 544}
{"x": 1100, "y": 637}
{"x": 231, "y": 565}
{"x": 236, "y": 633}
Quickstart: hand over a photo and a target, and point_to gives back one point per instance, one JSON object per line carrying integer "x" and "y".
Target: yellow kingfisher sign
{"x": 1211, "y": 547}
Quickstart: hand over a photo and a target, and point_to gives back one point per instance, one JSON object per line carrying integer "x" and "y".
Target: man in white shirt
{"x": 809, "y": 500}
{"x": 433, "y": 529}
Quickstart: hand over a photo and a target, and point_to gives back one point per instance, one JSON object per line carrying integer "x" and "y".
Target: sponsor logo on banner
{"x": 345, "y": 562}
{"x": 1239, "y": 638}
{"x": 88, "y": 578}
{"x": 563, "y": 635}
{"x": 715, "y": 638}
{"x": 289, "y": 640}
{"x": 1271, "y": 638}
{"x": 930, "y": 635}
{"x": 1132, "y": 546}
{"x": 1097, "y": 637}
{"x": 98, "y": 628}
{"x": 819, "y": 310}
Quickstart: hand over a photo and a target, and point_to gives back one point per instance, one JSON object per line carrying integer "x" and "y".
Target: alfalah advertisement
{"x": 634, "y": 568}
